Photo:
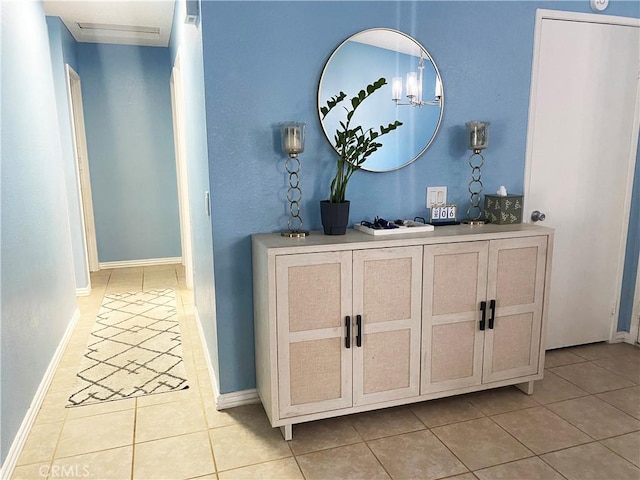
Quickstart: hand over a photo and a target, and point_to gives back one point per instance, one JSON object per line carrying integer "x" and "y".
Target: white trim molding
{"x": 237, "y": 399}
{"x": 585, "y": 17}
{"x": 225, "y": 400}
{"x": 147, "y": 262}
{"x": 205, "y": 350}
{"x": 634, "y": 335}
{"x": 29, "y": 419}
{"x": 84, "y": 291}
{"x": 623, "y": 337}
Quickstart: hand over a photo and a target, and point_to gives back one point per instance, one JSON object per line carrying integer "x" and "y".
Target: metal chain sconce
{"x": 293, "y": 144}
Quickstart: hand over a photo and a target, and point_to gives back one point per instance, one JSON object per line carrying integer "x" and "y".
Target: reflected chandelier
{"x": 414, "y": 88}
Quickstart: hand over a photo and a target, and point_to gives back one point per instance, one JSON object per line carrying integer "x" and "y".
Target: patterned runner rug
{"x": 134, "y": 349}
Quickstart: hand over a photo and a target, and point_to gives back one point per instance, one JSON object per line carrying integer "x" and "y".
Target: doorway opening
{"x": 177, "y": 104}
{"x": 82, "y": 170}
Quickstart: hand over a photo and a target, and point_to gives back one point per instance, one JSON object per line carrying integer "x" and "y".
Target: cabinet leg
{"x": 526, "y": 387}
{"x": 287, "y": 432}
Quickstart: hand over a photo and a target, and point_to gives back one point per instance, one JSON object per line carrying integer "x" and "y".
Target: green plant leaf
{"x": 354, "y": 144}
{"x": 332, "y": 102}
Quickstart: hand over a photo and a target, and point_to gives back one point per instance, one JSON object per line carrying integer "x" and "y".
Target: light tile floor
{"x": 582, "y": 422}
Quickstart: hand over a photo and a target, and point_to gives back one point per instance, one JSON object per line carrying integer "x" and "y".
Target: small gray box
{"x": 503, "y": 210}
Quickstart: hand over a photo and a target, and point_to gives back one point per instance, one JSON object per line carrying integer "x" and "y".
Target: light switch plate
{"x": 436, "y": 196}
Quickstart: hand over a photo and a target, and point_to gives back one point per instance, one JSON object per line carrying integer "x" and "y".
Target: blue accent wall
{"x": 127, "y": 108}
{"x": 63, "y": 51}
{"x": 37, "y": 279}
{"x": 186, "y": 40}
{"x": 269, "y": 73}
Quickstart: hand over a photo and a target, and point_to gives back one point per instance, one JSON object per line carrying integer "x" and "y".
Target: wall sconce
{"x": 478, "y": 140}
{"x": 414, "y": 88}
{"x": 293, "y": 144}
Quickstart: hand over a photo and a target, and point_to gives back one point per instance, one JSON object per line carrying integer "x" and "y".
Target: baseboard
{"x": 225, "y": 400}
{"x": 626, "y": 337}
{"x": 21, "y": 436}
{"x": 633, "y": 334}
{"x": 84, "y": 291}
{"x": 237, "y": 399}
{"x": 205, "y": 349}
{"x": 147, "y": 262}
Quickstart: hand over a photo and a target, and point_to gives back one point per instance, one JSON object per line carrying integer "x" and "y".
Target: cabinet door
{"x": 387, "y": 298}
{"x": 313, "y": 298}
{"x": 516, "y": 282}
{"x": 454, "y": 285}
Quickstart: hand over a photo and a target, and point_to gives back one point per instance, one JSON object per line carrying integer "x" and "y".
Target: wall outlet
{"x": 436, "y": 196}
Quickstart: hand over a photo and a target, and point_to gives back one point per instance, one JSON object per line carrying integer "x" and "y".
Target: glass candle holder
{"x": 293, "y": 138}
{"x": 477, "y": 135}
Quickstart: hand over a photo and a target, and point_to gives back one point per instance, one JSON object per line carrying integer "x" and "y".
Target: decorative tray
{"x": 407, "y": 226}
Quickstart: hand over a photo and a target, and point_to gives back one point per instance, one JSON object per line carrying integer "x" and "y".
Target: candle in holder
{"x": 478, "y": 135}
{"x": 293, "y": 138}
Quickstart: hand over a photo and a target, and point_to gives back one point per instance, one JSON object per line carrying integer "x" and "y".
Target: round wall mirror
{"x": 413, "y": 94}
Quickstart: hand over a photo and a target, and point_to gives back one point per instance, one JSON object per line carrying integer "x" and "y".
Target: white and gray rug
{"x": 134, "y": 349}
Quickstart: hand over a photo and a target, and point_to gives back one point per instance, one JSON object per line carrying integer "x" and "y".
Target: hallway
{"x": 159, "y": 431}
{"x": 581, "y": 422}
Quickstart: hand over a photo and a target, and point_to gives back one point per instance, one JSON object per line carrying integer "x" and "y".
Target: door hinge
{"x": 614, "y": 308}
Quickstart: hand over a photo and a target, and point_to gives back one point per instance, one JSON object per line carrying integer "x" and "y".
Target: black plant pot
{"x": 335, "y": 217}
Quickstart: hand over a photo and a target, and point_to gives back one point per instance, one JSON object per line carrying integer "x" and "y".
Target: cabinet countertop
{"x": 354, "y": 239}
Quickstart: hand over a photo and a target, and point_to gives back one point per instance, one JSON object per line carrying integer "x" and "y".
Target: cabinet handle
{"x": 347, "y": 323}
{"x": 359, "y": 335}
{"x": 492, "y": 306}
{"x": 483, "y": 309}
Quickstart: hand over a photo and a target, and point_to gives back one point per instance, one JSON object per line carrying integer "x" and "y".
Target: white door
{"x": 82, "y": 164}
{"x": 179, "y": 133}
{"x": 581, "y": 148}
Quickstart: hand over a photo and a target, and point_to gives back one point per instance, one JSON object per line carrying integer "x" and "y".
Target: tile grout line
{"x": 616, "y": 453}
{"x": 377, "y": 459}
{"x": 206, "y": 424}
{"x": 593, "y": 395}
{"x": 133, "y": 440}
{"x": 582, "y": 388}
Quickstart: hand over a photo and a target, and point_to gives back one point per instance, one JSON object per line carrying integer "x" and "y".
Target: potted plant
{"x": 354, "y": 145}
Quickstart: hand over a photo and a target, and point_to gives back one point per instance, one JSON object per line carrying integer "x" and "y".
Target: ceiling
{"x": 390, "y": 40}
{"x": 128, "y": 22}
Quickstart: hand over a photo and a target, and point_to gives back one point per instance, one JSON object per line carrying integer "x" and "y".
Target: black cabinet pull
{"x": 347, "y": 323}
{"x": 492, "y": 318}
{"x": 483, "y": 309}
{"x": 359, "y": 335}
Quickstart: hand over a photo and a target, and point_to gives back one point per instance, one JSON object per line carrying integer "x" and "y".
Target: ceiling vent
{"x": 119, "y": 28}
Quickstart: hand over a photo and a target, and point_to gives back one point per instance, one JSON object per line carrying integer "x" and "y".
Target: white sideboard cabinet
{"x": 352, "y": 323}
